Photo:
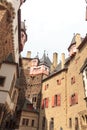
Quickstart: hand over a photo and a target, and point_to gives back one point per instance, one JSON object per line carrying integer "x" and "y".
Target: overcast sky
{"x": 51, "y": 24}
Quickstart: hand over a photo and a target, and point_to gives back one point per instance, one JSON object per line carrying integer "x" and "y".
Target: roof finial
{"x": 44, "y": 51}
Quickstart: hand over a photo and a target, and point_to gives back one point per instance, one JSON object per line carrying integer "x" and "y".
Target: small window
{"x": 58, "y": 82}
{"x": 74, "y": 99}
{"x": 52, "y": 124}
{"x": 56, "y": 100}
{"x": 46, "y": 86}
{"x": 2, "y": 80}
{"x": 32, "y": 123}
{"x": 76, "y": 124}
{"x": 73, "y": 80}
{"x": 34, "y": 99}
{"x": 70, "y": 123}
{"x": 25, "y": 121}
{"x": 43, "y": 122}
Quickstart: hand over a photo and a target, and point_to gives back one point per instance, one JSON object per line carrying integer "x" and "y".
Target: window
{"x": 34, "y": 99}
{"x": 73, "y": 80}
{"x": 43, "y": 122}
{"x": 46, "y": 86}
{"x": 51, "y": 124}
{"x": 76, "y": 124}
{"x": 32, "y": 123}
{"x": 56, "y": 100}
{"x": 2, "y": 80}
{"x": 58, "y": 82}
{"x": 25, "y": 121}
{"x": 74, "y": 99}
{"x": 45, "y": 103}
{"x": 61, "y": 128}
{"x": 70, "y": 123}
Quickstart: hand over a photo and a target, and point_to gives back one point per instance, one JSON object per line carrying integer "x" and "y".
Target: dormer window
{"x": 2, "y": 81}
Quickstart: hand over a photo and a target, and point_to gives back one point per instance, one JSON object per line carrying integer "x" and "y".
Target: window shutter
{"x": 42, "y": 105}
{"x": 45, "y": 87}
{"x": 76, "y": 98}
{"x": 53, "y": 101}
{"x": 47, "y": 99}
{"x": 58, "y": 100}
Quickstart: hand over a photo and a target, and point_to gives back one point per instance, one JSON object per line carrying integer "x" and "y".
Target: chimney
{"x": 78, "y": 40}
{"x": 62, "y": 60}
{"x": 55, "y": 59}
{"x": 28, "y": 54}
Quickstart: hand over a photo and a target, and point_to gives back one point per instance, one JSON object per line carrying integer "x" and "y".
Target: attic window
{"x": 2, "y": 80}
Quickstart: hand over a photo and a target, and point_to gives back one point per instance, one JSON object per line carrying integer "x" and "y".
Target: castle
{"x": 39, "y": 94}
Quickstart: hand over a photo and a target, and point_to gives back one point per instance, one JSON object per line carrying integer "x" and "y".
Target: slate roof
{"x": 45, "y": 60}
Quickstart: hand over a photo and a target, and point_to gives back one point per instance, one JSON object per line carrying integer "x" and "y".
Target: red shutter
{"x": 42, "y": 105}
{"x": 76, "y": 98}
{"x": 47, "y": 99}
{"x": 58, "y": 100}
{"x": 45, "y": 87}
{"x": 53, "y": 101}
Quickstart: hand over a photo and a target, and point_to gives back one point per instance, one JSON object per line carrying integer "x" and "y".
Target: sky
{"x": 51, "y": 24}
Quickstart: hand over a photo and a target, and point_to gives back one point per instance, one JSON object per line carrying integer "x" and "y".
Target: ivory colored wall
{"x": 8, "y": 71}
{"x": 57, "y": 112}
{"x": 78, "y": 87}
{"x": 62, "y": 114}
{"x": 31, "y": 116}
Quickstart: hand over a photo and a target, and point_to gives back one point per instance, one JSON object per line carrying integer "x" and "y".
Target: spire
{"x": 37, "y": 56}
{"x": 45, "y": 59}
